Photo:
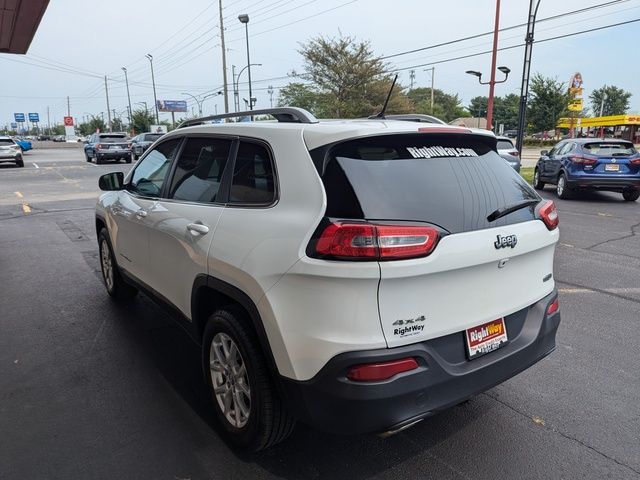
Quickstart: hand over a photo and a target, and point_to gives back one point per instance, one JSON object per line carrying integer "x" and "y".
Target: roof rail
{"x": 282, "y": 114}
{"x": 411, "y": 117}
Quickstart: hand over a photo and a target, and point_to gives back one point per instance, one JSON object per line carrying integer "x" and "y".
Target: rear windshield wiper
{"x": 501, "y": 212}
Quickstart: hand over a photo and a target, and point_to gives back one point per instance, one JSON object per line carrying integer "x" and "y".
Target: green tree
{"x": 93, "y": 125}
{"x": 345, "y": 80}
{"x": 478, "y": 106}
{"x": 141, "y": 120}
{"x": 505, "y": 111}
{"x": 616, "y": 101}
{"x": 549, "y": 100}
{"x": 117, "y": 125}
{"x": 445, "y": 106}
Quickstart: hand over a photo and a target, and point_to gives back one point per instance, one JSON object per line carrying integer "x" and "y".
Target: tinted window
{"x": 199, "y": 170}
{"x": 453, "y": 182}
{"x": 152, "y": 137}
{"x": 609, "y": 149}
{"x": 112, "y": 138}
{"x": 505, "y": 145}
{"x": 252, "y": 175}
{"x": 151, "y": 171}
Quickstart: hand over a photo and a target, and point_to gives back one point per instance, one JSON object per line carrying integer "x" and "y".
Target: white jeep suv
{"x": 355, "y": 275}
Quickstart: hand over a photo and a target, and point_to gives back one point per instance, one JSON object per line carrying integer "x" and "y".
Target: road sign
{"x": 172, "y": 105}
{"x": 68, "y": 121}
{"x": 14, "y": 125}
{"x": 34, "y": 117}
{"x": 19, "y": 117}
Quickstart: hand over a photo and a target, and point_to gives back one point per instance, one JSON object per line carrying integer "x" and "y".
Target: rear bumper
{"x": 112, "y": 155}
{"x": 332, "y": 403}
{"x": 10, "y": 158}
{"x": 604, "y": 183}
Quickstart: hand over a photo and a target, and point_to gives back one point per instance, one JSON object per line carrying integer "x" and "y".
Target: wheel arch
{"x": 209, "y": 293}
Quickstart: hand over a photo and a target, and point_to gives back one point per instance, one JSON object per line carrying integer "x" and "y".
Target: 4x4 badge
{"x": 504, "y": 242}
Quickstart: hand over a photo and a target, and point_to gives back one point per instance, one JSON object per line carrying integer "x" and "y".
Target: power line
{"x": 472, "y": 37}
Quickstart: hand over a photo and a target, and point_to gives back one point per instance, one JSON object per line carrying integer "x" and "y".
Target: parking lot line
{"x": 35, "y": 165}
{"x": 26, "y": 208}
{"x": 18, "y": 194}
{"x": 608, "y": 290}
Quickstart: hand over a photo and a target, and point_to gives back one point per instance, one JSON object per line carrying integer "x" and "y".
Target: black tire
{"x": 537, "y": 183}
{"x": 268, "y": 421}
{"x": 116, "y": 287}
{"x": 20, "y": 163}
{"x": 135, "y": 157}
{"x": 562, "y": 190}
{"x": 630, "y": 194}
{"x": 128, "y": 159}
{"x": 87, "y": 157}
{"x": 99, "y": 160}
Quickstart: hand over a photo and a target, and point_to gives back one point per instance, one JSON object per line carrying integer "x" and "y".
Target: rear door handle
{"x": 198, "y": 228}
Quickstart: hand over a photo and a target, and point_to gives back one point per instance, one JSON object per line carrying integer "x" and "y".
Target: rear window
{"x": 453, "y": 182}
{"x": 505, "y": 145}
{"x": 609, "y": 149}
{"x": 112, "y": 138}
{"x": 6, "y": 141}
{"x": 152, "y": 137}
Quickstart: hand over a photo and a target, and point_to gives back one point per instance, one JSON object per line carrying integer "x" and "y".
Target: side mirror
{"x": 111, "y": 181}
{"x": 544, "y": 153}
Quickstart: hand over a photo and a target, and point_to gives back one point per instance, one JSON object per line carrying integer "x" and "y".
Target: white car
{"x": 355, "y": 275}
{"x": 10, "y": 151}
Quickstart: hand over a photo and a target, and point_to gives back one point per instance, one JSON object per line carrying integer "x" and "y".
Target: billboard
{"x": 19, "y": 117}
{"x": 14, "y": 125}
{"x": 158, "y": 129}
{"x": 172, "y": 105}
{"x": 34, "y": 117}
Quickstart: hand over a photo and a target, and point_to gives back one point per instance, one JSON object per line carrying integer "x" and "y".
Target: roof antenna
{"x": 386, "y": 102}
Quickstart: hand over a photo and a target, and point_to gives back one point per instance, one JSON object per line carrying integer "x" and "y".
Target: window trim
{"x": 276, "y": 182}
{"x": 129, "y": 178}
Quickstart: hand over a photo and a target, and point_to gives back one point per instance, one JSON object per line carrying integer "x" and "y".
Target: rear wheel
{"x": 87, "y": 157}
{"x": 242, "y": 390}
{"x": 116, "y": 286}
{"x": 631, "y": 194}
{"x": 537, "y": 183}
{"x": 99, "y": 160}
{"x": 20, "y": 163}
{"x": 562, "y": 189}
{"x": 128, "y": 159}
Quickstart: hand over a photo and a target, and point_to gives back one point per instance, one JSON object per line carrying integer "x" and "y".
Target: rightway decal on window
{"x": 429, "y": 152}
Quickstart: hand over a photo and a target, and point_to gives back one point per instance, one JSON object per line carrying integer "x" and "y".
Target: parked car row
{"x": 10, "y": 151}
{"x": 117, "y": 146}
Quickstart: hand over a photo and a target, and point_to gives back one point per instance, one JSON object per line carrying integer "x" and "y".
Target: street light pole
{"x": 198, "y": 102}
{"x": 526, "y": 68}
{"x": 237, "y": 83}
{"x": 153, "y": 81}
{"x": 492, "y": 82}
{"x": 244, "y": 18}
{"x": 126, "y": 79}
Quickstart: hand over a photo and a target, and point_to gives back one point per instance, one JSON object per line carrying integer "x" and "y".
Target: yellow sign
{"x": 575, "y": 105}
{"x": 576, "y": 92}
{"x": 608, "y": 121}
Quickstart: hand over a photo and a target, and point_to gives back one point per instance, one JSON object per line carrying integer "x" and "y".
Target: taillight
{"x": 376, "y": 242}
{"x": 128, "y": 145}
{"x": 98, "y": 146}
{"x": 373, "y": 372}
{"x": 635, "y": 161}
{"x": 515, "y": 153}
{"x": 553, "y": 307}
{"x": 549, "y": 215}
{"x": 583, "y": 160}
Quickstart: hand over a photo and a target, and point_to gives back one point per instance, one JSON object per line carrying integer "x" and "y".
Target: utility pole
{"x": 48, "y": 121}
{"x": 526, "y": 69}
{"x": 270, "y": 92}
{"x": 153, "y": 81}
{"x": 68, "y": 107}
{"x": 126, "y": 79}
{"x": 224, "y": 62}
{"x": 433, "y": 74}
{"x": 412, "y": 78}
{"x": 492, "y": 82}
{"x": 236, "y": 98}
{"x": 106, "y": 91}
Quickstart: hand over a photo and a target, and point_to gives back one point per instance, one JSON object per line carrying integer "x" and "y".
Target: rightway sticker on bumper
{"x": 408, "y": 327}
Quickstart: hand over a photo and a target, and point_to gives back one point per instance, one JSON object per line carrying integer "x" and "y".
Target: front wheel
{"x": 242, "y": 391}
{"x": 116, "y": 286}
{"x": 537, "y": 183}
{"x": 630, "y": 194}
{"x": 562, "y": 189}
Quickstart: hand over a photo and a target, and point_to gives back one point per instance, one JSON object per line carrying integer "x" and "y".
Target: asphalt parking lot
{"x": 89, "y": 389}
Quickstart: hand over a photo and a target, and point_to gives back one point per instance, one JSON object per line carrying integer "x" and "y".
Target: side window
{"x": 253, "y": 181}
{"x": 566, "y": 149}
{"x": 556, "y": 149}
{"x": 199, "y": 170}
{"x": 150, "y": 173}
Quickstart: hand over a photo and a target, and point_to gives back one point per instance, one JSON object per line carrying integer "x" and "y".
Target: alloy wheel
{"x": 107, "y": 265}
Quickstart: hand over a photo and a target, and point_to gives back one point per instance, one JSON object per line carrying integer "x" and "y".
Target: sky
{"x": 80, "y": 41}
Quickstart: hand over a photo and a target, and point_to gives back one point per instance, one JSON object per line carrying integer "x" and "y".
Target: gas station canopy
{"x": 19, "y": 20}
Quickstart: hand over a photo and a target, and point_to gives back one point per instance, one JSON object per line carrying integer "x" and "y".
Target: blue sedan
{"x": 25, "y": 145}
{"x": 590, "y": 164}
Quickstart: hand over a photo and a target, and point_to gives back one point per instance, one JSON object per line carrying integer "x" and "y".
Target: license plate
{"x": 485, "y": 338}
{"x": 611, "y": 167}
{"x": 115, "y": 147}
